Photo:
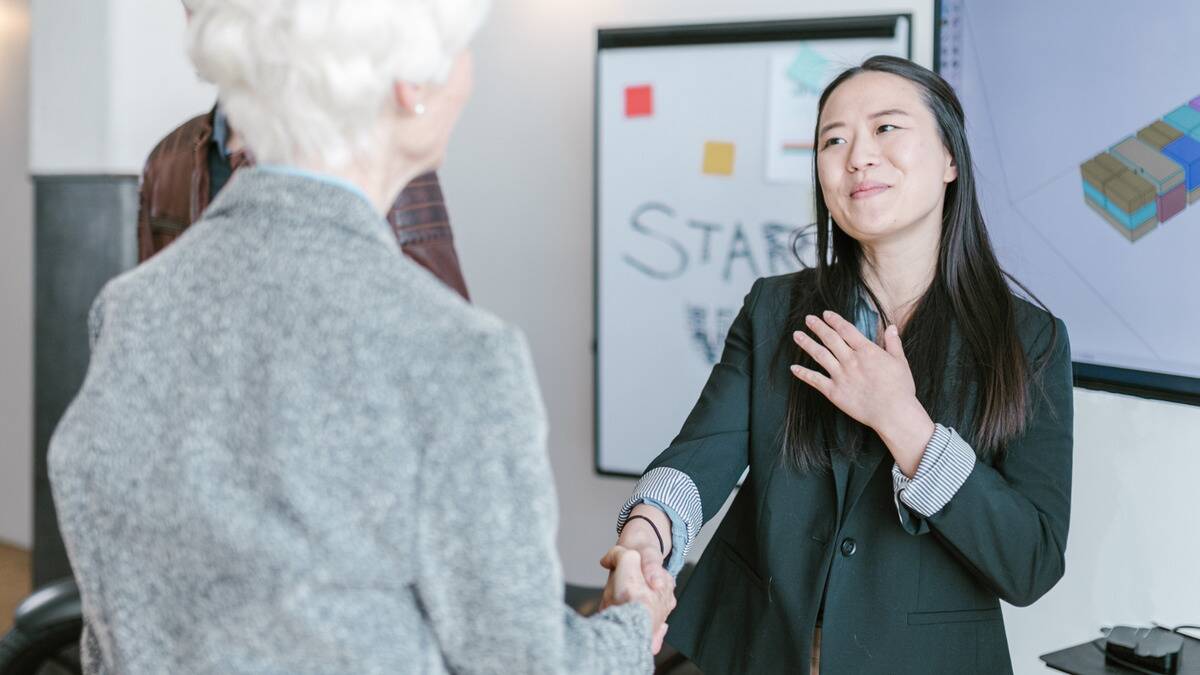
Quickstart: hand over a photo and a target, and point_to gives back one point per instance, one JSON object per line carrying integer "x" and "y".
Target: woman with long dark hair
{"x": 905, "y": 418}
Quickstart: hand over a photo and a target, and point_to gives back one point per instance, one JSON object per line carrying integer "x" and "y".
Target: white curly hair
{"x": 308, "y": 79}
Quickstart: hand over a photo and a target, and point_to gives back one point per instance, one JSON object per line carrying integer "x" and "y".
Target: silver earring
{"x": 419, "y": 109}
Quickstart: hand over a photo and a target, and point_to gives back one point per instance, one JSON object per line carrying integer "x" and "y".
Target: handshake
{"x": 636, "y": 571}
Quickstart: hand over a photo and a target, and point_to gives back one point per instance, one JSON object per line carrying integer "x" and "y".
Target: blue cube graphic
{"x": 1186, "y": 152}
{"x": 1184, "y": 118}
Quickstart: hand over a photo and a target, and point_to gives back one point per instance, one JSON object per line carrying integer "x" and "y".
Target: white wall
{"x": 16, "y": 280}
{"x": 69, "y": 87}
{"x": 1134, "y": 545}
{"x": 149, "y": 96}
{"x": 110, "y": 78}
{"x": 518, "y": 182}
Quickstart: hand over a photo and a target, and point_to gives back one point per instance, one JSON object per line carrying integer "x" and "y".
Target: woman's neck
{"x": 899, "y": 270}
{"x": 381, "y": 182}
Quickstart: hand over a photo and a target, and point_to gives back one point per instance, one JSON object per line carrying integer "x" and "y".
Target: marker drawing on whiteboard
{"x": 739, "y": 248}
{"x": 708, "y": 229}
{"x": 636, "y": 222}
{"x": 779, "y": 237}
{"x": 677, "y": 246}
{"x": 706, "y": 337}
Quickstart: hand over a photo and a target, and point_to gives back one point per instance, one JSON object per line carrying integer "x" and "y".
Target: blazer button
{"x": 848, "y": 547}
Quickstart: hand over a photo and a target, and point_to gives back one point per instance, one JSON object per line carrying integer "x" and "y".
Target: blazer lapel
{"x": 851, "y": 483}
{"x": 841, "y": 473}
{"x": 868, "y": 463}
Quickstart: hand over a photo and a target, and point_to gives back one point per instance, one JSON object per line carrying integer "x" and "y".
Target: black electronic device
{"x": 1151, "y": 649}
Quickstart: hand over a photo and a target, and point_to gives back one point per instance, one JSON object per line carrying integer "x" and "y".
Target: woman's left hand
{"x": 871, "y": 384}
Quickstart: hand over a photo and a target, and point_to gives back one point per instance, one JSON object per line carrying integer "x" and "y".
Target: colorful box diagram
{"x": 1185, "y": 118}
{"x": 1162, "y": 171}
{"x": 1147, "y": 178}
{"x": 1186, "y": 152}
{"x": 1119, "y": 196}
{"x": 1159, "y": 135}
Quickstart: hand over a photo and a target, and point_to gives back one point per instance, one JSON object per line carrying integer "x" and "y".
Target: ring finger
{"x": 833, "y": 341}
{"x": 820, "y": 354}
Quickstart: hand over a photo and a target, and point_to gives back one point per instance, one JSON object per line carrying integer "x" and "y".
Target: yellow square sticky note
{"x": 718, "y": 158}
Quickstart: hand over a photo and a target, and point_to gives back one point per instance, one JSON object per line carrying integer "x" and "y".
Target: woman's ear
{"x": 409, "y": 97}
{"x": 951, "y": 173}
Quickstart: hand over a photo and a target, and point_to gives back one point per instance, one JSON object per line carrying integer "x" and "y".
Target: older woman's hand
{"x": 627, "y": 582}
{"x": 871, "y": 384}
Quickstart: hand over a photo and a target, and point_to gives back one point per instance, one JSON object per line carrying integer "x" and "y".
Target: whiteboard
{"x": 703, "y": 184}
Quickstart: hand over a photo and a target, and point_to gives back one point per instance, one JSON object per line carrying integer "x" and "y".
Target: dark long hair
{"x": 969, "y": 294}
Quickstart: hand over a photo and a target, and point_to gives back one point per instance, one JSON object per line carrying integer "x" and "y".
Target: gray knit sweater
{"x": 297, "y": 452}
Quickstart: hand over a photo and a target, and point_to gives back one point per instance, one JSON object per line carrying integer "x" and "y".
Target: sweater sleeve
{"x": 489, "y": 578}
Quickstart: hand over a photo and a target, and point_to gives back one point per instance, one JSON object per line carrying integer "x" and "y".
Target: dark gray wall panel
{"x": 84, "y": 235}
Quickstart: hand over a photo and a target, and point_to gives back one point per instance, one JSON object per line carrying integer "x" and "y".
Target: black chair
{"x": 44, "y": 639}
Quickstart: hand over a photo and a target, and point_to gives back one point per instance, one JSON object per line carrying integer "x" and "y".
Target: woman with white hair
{"x": 296, "y": 451}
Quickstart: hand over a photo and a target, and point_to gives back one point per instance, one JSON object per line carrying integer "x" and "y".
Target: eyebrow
{"x": 881, "y": 113}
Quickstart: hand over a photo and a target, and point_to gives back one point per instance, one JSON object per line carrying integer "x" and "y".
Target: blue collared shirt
{"x": 315, "y": 175}
{"x": 220, "y": 132}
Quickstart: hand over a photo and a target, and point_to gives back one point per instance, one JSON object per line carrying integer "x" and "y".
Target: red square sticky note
{"x": 639, "y": 101}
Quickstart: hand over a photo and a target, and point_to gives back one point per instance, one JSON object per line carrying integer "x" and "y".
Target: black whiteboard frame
{"x": 1098, "y": 376}
{"x": 788, "y": 30}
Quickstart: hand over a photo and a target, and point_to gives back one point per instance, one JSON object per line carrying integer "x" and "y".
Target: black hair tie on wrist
{"x": 661, "y": 549}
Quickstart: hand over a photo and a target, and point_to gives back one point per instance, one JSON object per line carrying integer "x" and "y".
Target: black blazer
{"x": 917, "y": 599}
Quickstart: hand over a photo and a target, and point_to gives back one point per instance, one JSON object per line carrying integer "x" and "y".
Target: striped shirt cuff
{"x": 679, "y": 537}
{"x": 944, "y": 467}
{"x": 677, "y": 495}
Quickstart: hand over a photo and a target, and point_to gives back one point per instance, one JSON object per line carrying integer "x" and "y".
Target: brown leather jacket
{"x": 175, "y": 187}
